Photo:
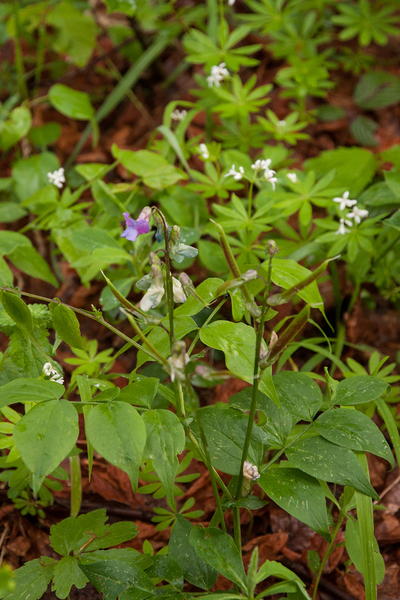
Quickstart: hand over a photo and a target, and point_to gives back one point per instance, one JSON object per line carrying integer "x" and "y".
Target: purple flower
{"x": 134, "y": 228}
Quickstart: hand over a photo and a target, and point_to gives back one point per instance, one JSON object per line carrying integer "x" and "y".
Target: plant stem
{"x": 169, "y": 285}
{"x": 327, "y": 554}
{"x": 236, "y": 528}
{"x": 90, "y": 316}
{"x": 180, "y": 405}
{"x": 256, "y": 378}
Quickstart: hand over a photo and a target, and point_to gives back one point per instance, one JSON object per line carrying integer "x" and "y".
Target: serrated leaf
{"x": 66, "y": 574}
{"x": 32, "y": 579}
{"x": 113, "y": 577}
{"x": 377, "y": 89}
{"x": 72, "y": 533}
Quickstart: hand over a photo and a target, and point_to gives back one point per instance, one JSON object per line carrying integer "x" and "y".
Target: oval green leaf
{"x": 71, "y": 103}
{"x": 359, "y": 389}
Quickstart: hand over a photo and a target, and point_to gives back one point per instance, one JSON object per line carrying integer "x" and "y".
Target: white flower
{"x": 231, "y": 2}
{"x": 177, "y": 290}
{"x": 282, "y": 123}
{"x": 235, "y": 174}
{"x": 261, "y": 164}
{"x": 357, "y": 214}
{"x": 250, "y": 472}
{"x": 57, "y": 177}
{"x": 269, "y": 176}
{"x": 342, "y": 229}
{"x": 218, "y": 74}
{"x": 292, "y": 177}
{"x": 344, "y": 201}
{"x": 204, "y": 151}
{"x": 154, "y": 294}
{"x": 49, "y": 371}
{"x": 178, "y": 115}
{"x": 177, "y": 361}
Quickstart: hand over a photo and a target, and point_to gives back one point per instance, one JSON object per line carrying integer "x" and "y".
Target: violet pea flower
{"x": 134, "y": 228}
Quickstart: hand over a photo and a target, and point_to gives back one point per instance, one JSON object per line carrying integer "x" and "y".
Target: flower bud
{"x": 145, "y": 214}
{"x": 177, "y": 361}
{"x": 177, "y": 290}
{"x": 250, "y": 474}
{"x": 271, "y": 248}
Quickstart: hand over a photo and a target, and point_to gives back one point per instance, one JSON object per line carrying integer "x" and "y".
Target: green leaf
{"x": 18, "y": 311}
{"x": 167, "y": 568}
{"x": 46, "y": 435}
{"x": 353, "y": 429}
{"x": 45, "y": 134}
{"x": 113, "y": 577}
{"x": 279, "y": 423}
{"x": 71, "y": 103}
{"x": 225, "y": 430}
{"x": 324, "y": 460}
{"x": 355, "y": 167}
{"x": 76, "y": 31}
{"x": 298, "y": 394}
{"x": 377, "y": 89}
{"x": 156, "y": 171}
{"x": 66, "y": 574}
{"x": 140, "y": 392}
{"x": 287, "y": 273}
{"x": 353, "y": 547}
{"x": 32, "y": 579}
{"x": 109, "y": 429}
{"x": 16, "y": 127}
{"x": 196, "y": 570}
{"x": 29, "y": 389}
{"x": 363, "y": 129}
{"x": 30, "y": 174}
{"x": 66, "y": 324}
{"x": 72, "y": 533}
{"x": 300, "y": 495}
{"x": 220, "y": 551}
{"x": 11, "y": 211}
{"x": 272, "y": 568}
{"x": 165, "y": 439}
{"x": 206, "y": 291}
{"x": 359, "y": 389}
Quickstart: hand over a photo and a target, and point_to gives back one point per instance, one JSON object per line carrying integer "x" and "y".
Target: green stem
{"x": 327, "y": 554}
{"x": 169, "y": 285}
{"x": 90, "y": 316}
{"x": 76, "y": 485}
{"x": 180, "y": 404}
{"x": 236, "y": 528}
{"x": 256, "y": 379}
{"x": 250, "y": 200}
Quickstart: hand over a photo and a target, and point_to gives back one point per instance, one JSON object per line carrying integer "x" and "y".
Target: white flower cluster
{"x": 218, "y": 74}
{"x": 231, "y": 2}
{"x": 356, "y": 214}
{"x": 269, "y": 174}
{"x": 178, "y": 115}
{"x": 250, "y": 471}
{"x": 58, "y": 177}
{"x": 49, "y": 371}
{"x": 235, "y": 174}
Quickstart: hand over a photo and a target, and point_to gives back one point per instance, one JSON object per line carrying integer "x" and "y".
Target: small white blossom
{"x": 49, "y": 371}
{"x": 235, "y": 174}
{"x": 261, "y": 164}
{"x": 250, "y": 472}
{"x": 292, "y": 177}
{"x": 344, "y": 201}
{"x": 204, "y": 151}
{"x": 342, "y": 229}
{"x": 177, "y": 361}
{"x": 357, "y": 214}
{"x": 57, "y": 177}
{"x": 282, "y": 123}
{"x": 272, "y": 340}
{"x": 154, "y": 294}
{"x": 218, "y": 74}
{"x": 178, "y": 115}
{"x": 269, "y": 176}
{"x": 177, "y": 290}
{"x": 231, "y": 2}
